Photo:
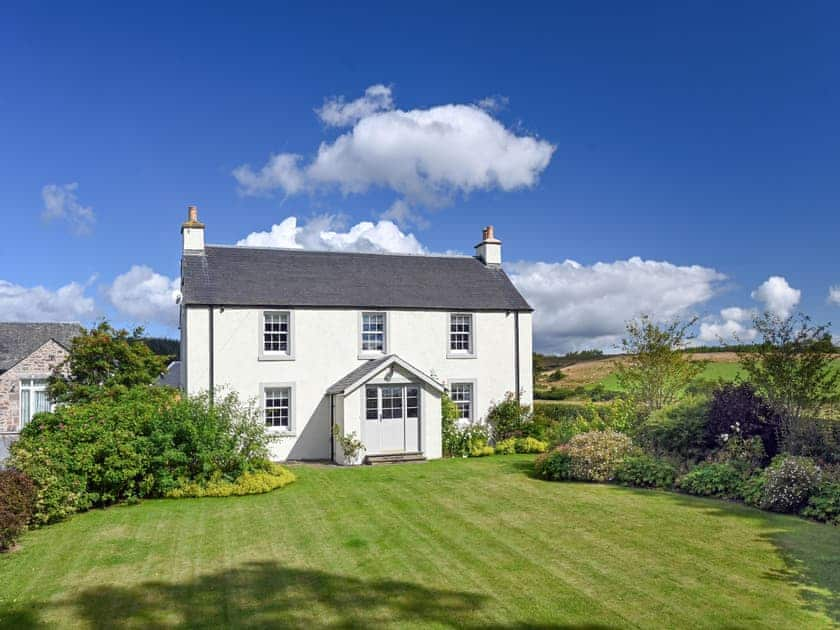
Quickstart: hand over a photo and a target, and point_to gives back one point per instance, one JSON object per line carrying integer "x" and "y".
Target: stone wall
{"x": 39, "y": 364}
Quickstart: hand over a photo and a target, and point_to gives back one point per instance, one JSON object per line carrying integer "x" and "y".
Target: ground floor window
{"x": 33, "y": 399}
{"x": 277, "y": 407}
{"x": 462, "y": 395}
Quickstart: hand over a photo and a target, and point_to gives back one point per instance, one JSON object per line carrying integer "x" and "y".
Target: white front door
{"x": 392, "y": 419}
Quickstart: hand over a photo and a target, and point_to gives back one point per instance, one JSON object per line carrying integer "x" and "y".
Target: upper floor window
{"x": 461, "y": 334}
{"x": 33, "y": 399}
{"x": 276, "y": 335}
{"x": 373, "y": 332}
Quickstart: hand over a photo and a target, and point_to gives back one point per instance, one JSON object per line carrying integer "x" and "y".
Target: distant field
{"x": 712, "y": 372}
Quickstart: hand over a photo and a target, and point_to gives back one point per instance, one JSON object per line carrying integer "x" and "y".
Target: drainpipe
{"x": 516, "y": 353}
{"x": 211, "y": 362}
{"x": 332, "y": 424}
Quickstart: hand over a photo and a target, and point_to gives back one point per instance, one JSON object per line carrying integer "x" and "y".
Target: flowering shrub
{"x": 745, "y": 454}
{"x": 466, "y": 439}
{"x": 790, "y": 482}
{"x": 824, "y": 504}
{"x": 506, "y": 447}
{"x": 712, "y": 480}
{"x": 596, "y": 454}
{"x": 645, "y": 471}
{"x": 737, "y": 409}
{"x": 555, "y": 465}
{"x": 482, "y": 451}
{"x": 508, "y": 418}
{"x": 17, "y": 503}
{"x": 529, "y": 445}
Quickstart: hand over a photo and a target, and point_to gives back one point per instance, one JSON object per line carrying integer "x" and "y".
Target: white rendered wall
{"x": 326, "y": 347}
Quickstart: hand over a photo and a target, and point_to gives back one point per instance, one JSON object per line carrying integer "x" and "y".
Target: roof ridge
{"x": 301, "y": 250}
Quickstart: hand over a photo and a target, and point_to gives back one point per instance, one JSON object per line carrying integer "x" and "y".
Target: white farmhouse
{"x": 367, "y": 342}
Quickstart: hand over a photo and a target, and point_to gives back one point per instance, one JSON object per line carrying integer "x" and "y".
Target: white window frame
{"x": 386, "y": 322}
{"x": 469, "y": 353}
{"x": 264, "y": 387}
{"x": 277, "y": 355}
{"x": 473, "y": 417}
{"x": 28, "y": 386}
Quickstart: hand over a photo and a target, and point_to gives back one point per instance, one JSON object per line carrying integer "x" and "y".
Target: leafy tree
{"x": 104, "y": 361}
{"x": 792, "y": 366}
{"x": 657, "y": 371}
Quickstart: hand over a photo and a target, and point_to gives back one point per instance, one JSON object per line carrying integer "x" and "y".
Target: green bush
{"x": 143, "y": 443}
{"x": 506, "y": 447}
{"x": 556, "y": 465}
{"x": 257, "y": 482}
{"x": 824, "y": 504}
{"x": 752, "y": 490}
{"x": 814, "y": 437}
{"x": 746, "y": 455}
{"x": 679, "y": 430}
{"x": 712, "y": 480}
{"x": 507, "y": 418}
{"x": 450, "y": 435}
{"x": 482, "y": 451}
{"x": 17, "y": 504}
{"x": 596, "y": 454}
{"x": 645, "y": 471}
{"x": 530, "y": 445}
{"x": 790, "y": 482}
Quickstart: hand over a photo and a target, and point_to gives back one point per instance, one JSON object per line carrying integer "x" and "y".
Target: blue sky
{"x": 704, "y": 140}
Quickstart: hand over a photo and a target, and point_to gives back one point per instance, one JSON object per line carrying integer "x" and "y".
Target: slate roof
{"x": 252, "y": 276}
{"x": 172, "y": 376}
{"x": 18, "y": 339}
{"x": 371, "y": 367}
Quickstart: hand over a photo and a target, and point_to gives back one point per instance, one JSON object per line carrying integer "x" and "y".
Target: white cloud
{"x": 737, "y": 314}
{"x": 834, "y": 295}
{"x": 37, "y": 304}
{"x": 581, "y": 306}
{"x": 494, "y": 103}
{"x": 338, "y": 113}
{"x": 425, "y": 155}
{"x": 324, "y": 233}
{"x": 146, "y": 296}
{"x": 61, "y": 203}
{"x": 280, "y": 172}
{"x": 731, "y": 329}
{"x": 404, "y": 215}
{"x": 777, "y": 295}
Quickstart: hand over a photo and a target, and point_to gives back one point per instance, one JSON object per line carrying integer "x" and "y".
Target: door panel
{"x": 412, "y": 419}
{"x": 392, "y": 427}
{"x": 371, "y": 426}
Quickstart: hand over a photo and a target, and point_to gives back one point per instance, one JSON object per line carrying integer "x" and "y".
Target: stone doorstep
{"x": 394, "y": 458}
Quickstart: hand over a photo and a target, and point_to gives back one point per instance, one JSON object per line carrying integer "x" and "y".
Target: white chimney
{"x": 192, "y": 232}
{"x": 489, "y": 250}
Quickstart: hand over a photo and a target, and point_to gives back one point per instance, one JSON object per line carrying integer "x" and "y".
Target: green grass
{"x": 711, "y": 372}
{"x": 458, "y": 543}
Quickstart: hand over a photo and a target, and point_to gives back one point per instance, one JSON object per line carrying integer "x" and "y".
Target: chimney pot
{"x": 192, "y": 232}
{"x": 192, "y": 213}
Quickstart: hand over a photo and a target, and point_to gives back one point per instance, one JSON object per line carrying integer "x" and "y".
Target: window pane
{"x": 391, "y": 403}
{"x": 373, "y": 332}
{"x": 24, "y": 407}
{"x": 412, "y": 402}
{"x": 371, "y": 404}
{"x": 276, "y": 332}
{"x": 276, "y": 409}
{"x": 462, "y": 396}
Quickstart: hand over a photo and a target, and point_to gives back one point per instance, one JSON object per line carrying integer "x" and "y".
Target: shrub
{"x": 468, "y": 438}
{"x": 678, "y": 430}
{"x": 746, "y": 455}
{"x": 17, "y": 503}
{"x": 450, "y": 435}
{"x": 555, "y": 465}
{"x": 349, "y": 444}
{"x": 143, "y": 443}
{"x": 596, "y": 454}
{"x": 790, "y": 482}
{"x": 257, "y": 482}
{"x": 814, "y": 437}
{"x": 752, "y": 490}
{"x": 529, "y": 445}
{"x": 507, "y": 447}
{"x": 712, "y": 480}
{"x": 737, "y": 409}
{"x": 645, "y": 471}
{"x": 482, "y": 451}
{"x": 824, "y": 504}
{"x": 507, "y": 418}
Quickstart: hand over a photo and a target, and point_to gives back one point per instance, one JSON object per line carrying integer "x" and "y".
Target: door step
{"x": 394, "y": 458}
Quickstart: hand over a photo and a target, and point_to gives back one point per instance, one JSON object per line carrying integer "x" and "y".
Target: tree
{"x": 792, "y": 366}
{"x": 104, "y": 361}
{"x": 656, "y": 371}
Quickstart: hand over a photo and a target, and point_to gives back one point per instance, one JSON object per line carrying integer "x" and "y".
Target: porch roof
{"x": 371, "y": 368}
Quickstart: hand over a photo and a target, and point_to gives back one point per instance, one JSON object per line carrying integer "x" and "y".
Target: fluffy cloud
{"x": 146, "y": 296}
{"x": 338, "y": 113}
{"x": 404, "y": 215}
{"x": 425, "y": 155}
{"x": 34, "y": 304}
{"x": 581, "y": 306}
{"x": 777, "y": 295}
{"x": 62, "y": 204}
{"x": 324, "y": 233}
{"x": 834, "y": 295}
{"x": 730, "y": 329}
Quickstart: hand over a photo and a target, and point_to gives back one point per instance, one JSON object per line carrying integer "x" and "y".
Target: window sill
{"x": 276, "y": 357}
{"x": 461, "y": 355}
{"x": 364, "y": 356}
{"x": 281, "y": 432}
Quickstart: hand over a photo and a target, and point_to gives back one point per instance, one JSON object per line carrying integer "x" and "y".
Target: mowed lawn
{"x": 458, "y": 543}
